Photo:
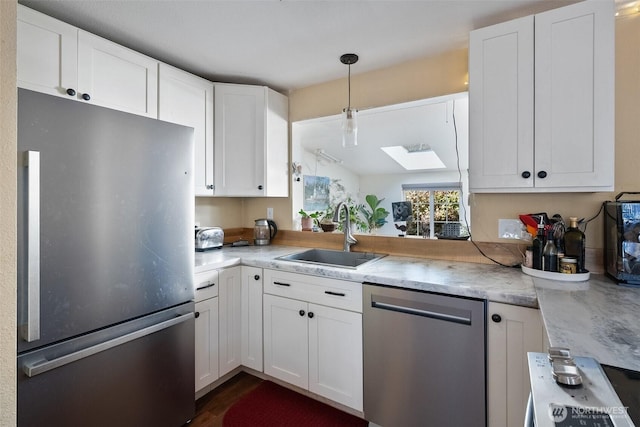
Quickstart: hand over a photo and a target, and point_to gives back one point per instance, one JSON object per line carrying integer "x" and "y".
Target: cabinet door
{"x": 47, "y": 54}
{"x": 187, "y": 100}
{"x": 229, "y": 320}
{"x": 251, "y": 323}
{"x": 574, "y": 68}
{"x": 239, "y": 140}
{"x": 510, "y": 336}
{"x": 277, "y": 150}
{"x": 335, "y": 355}
{"x": 116, "y": 77}
{"x": 286, "y": 348}
{"x": 501, "y": 106}
{"x": 206, "y": 334}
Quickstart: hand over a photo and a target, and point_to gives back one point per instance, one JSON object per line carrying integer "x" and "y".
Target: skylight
{"x": 414, "y": 157}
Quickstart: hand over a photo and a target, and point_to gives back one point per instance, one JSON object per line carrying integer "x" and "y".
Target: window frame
{"x": 432, "y": 188}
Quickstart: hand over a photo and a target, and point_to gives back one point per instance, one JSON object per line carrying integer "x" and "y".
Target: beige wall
{"x": 424, "y": 78}
{"x": 7, "y": 212}
{"x": 447, "y": 73}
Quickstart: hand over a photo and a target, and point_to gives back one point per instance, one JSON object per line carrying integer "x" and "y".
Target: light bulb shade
{"x": 349, "y": 127}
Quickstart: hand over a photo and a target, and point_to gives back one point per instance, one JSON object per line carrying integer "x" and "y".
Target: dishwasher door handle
{"x": 424, "y": 313}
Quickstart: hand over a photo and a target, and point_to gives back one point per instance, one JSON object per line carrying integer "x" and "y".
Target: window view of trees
{"x": 433, "y": 212}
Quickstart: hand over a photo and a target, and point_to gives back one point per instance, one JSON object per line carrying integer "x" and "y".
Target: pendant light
{"x": 349, "y": 116}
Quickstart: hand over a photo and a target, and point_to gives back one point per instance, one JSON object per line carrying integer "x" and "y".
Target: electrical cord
{"x": 592, "y": 218}
{"x": 455, "y": 130}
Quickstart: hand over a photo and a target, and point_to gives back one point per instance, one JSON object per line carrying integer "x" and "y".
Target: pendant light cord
{"x": 349, "y": 86}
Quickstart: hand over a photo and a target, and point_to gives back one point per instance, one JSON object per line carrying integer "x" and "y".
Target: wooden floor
{"x": 211, "y": 407}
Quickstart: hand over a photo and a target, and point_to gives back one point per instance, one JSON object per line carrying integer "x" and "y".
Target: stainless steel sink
{"x": 333, "y": 258}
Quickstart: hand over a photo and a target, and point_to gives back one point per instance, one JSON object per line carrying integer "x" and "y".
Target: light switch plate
{"x": 269, "y": 213}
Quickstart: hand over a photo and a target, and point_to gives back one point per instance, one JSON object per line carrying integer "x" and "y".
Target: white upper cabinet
{"x": 116, "y": 77}
{"x": 59, "y": 59}
{"x": 47, "y": 54}
{"x": 251, "y": 141}
{"x": 188, "y": 100}
{"x": 541, "y": 97}
{"x": 501, "y": 105}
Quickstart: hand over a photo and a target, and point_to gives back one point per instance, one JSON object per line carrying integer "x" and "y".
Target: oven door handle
{"x": 528, "y": 416}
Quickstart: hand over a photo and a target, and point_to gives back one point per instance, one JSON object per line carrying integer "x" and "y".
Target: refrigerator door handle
{"x": 31, "y": 330}
{"x": 41, "y": 366}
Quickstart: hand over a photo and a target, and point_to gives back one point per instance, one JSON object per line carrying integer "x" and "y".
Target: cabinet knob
{"x": 311, "y": 315}
{"x": 542, "y": 174}
{"x": 86, "y": 96}
{"x": 256, "y": 277}
{"x": 260, "y": 187}
{"x": 210, "y": 187}
{"x": 301, "y": 312}
{"x": 496, "y": 318}
{"x": 526, "y": 174}
{"x": 71, "y": 92}
{"x": 197, "y": 314}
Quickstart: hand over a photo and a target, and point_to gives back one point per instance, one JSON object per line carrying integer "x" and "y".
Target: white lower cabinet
{"x": 512, "y": 331}
{"x": 251, "y": 322}
{"x": 228, "y": 326}
{"x": 206, "y": 328}
{"x": 229, "y": 319}
{"x": 314, "y": 346}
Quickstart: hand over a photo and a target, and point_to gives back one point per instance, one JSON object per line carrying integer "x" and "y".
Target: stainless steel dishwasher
{"x": 424, "y": 358}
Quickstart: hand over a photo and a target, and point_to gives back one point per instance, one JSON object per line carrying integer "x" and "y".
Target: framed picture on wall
{"x": 316, "y": 193}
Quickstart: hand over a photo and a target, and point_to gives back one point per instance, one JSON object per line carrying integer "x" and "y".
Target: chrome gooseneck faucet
{"x": 348, "y": 237}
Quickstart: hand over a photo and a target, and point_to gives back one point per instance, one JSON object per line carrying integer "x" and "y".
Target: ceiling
{"x": 286, "y": 44}
{"x": 429, "y": 121}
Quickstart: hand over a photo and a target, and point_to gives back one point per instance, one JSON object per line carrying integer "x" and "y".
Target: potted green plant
{"x": 374, "y": 214}
{"x": 308, "y": 220}
{"x": 326, "y": 220}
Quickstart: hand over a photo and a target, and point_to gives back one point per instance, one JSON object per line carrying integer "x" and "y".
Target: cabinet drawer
{"x": 206, "y": 285}
{"x": 318, "y": 290}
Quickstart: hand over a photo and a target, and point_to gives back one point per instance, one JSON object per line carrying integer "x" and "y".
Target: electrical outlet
{"x": 512, "y": 229}
{"x": 269, "y": 213}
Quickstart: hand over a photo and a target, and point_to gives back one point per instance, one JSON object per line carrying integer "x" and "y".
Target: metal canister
{"x": 568, "y": 265}
{"x": 528, "y": 257}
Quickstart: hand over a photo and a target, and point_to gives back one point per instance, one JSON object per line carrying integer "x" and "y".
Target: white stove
{"x": 591, "y": 402}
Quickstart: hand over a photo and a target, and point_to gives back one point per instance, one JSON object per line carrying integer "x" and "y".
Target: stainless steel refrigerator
{"x": 105, "y": 267}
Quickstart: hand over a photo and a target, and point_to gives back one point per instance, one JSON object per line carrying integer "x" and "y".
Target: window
{"x": 435, "y": 209}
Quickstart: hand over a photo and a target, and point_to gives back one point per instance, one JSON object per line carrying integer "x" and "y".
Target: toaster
{"x": 208, "y": 238}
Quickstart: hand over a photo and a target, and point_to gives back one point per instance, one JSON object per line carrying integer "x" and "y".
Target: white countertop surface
{"x": 597, "y": 318}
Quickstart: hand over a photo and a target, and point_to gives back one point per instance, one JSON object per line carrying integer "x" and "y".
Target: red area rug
{"x": 271, "y": 405}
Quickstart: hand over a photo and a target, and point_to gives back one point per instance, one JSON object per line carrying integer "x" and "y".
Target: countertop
{"x": 494, "y": 283}
{"x": 596, "y": 318}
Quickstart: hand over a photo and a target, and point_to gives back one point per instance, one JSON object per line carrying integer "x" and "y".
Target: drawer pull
{"x": 338, "y": 294}
{"x": 205, "y": 285}
{"x": 281, "y": 284}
